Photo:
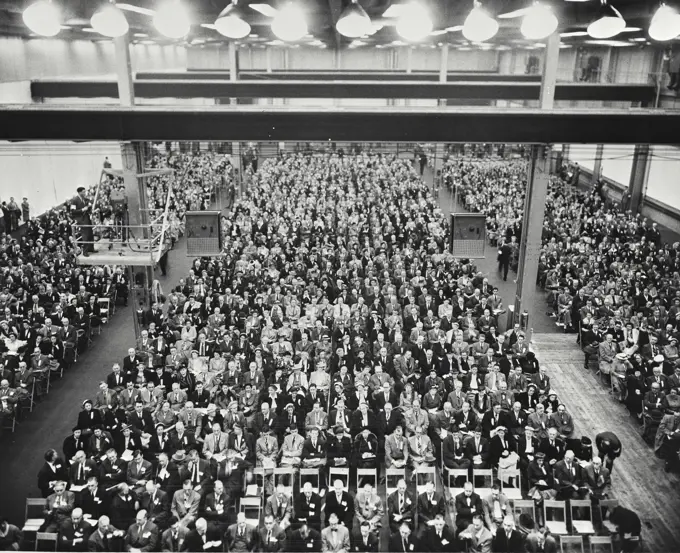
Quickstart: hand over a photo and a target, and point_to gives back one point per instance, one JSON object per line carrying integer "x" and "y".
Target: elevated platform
{"x": 119, "y": 255}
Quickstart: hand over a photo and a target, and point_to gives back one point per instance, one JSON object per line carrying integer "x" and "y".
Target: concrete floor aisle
{"x": 21, "y": 453}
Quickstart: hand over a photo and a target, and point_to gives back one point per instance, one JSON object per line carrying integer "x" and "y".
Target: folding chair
{"x": 258, "y": 479}
{"x": 555, "y": 525}
{"x": 34, "y": 515}
{"x": 105, "y": 304}
{"x": 42, "y": 379}
{"x": 580, "y": 523}
{"x": 252, "y": 508}
{"x": 392, "y": 477}
{"x": 309, "y": 475}
{"x": 601, "y": 544}
{"x": 28, "y": 402}
{"x": 46, "y": 536}
{"x": 571, "y": 544}
{"x": 606, "y": 505}
{"x": 423, "y": 476}
{"x": 524, "y": 507}
{"x": 486, "y": 477}
{"x": 454, "y": 484}
{"x": 335, "y": 473}
{"x": 511, "y": 482}
{"x": 10, "y": 420}
{"x": 367, "y": 475}
{"x": 283, "y": 475}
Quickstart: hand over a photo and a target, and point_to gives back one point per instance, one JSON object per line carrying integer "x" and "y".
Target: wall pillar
{"x": 638, "y": 176}
{"x": 549, "y": 79}
{"x": 597, "y": 166}
{"x": 532, "y": 228}
{"x": 443, "y": 68}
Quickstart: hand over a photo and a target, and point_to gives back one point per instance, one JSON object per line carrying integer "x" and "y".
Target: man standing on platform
{"x": 82, "y": 209}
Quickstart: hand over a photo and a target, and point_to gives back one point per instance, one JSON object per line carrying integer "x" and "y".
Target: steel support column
{"x": 443, "y": 68}
{"x": 638, "y": 176}
{"x": 549, "y": 80}
{"x": 438, "y": 164}
{"x": 532, "y": 229}
{"x": 126, "y": 91}
{"x": 597, "y": 166}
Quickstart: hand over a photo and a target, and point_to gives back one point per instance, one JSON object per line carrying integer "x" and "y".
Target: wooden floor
{"x": 639, "y": 481}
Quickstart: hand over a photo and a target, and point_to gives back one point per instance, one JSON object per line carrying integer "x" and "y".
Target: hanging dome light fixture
{"x": 354, "y": 21}
{"x": 172, "y": 19}
{"x": 231, "y": 22}
{"x": 110, "y": 21}
{"x": 414, "y": 23}
{"x": 43, "y": 18}
{"x": 479, "y": 26}
{"x": 289, "y": 23}
{"x": 539, "y": 22}
{"x": 609, "y": 22}
{"x": 665, "y": 24}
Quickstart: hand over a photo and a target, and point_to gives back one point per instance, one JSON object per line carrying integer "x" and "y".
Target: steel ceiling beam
{"x": 489, "y": 90}
{"x": 264, "y": 123}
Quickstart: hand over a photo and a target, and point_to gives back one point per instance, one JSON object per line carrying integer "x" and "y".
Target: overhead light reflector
{"x": 354, "y": 21}
{"x": 110, "y": 21}
{"x": 479, "y": 26}
{"x": 43, "y": 18}
{"x": 665, "y": 24}
{"x": 172, "y": 19}
{"x": 231, "y": 22}
{"x": 290, "y": 23}
{"x": 609, "y": 22}
{"x": 415, "y": 23}
{"x": 538, "y": 23}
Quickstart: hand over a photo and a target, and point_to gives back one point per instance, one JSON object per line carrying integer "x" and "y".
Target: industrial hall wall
{"x": 48, "y": 173}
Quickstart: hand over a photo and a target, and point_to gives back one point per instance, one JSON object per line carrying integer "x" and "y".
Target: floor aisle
{"x": 21, "y": 453}
{"x": 638, "y": 480}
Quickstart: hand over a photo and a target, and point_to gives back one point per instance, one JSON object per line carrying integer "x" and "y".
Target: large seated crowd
{"x": 335, "y": 351}
{"x": 610, "y": 279}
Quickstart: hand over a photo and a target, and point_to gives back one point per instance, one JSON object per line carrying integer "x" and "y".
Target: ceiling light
{"x": 639, "y": 39}
{"x": 631, "y": 29}
{"x": 354, "y": 21}
{"x": 513, "y": 14}
{"x": 290, "y": 24}
{"x": 454, "y": 28}
{"x": 573, "y": 34}
{"x": 438, "y": 33}
{"x": 479, "y": 25}
{"x": 539, "y": 22}
{"x": 665, "y": 24}
{"x": 43, "y": 18}
{"x": 231, "y": 22}
{"x": 613, "y": 43}
{"x": 208, "y": 26}
{"x": 609, "y": 22}
{"x": 136, "y": 9}
{"x": 172, "y": 20}
{"x": 264, "y": 9}
{"x": 395, "y": 10}
{"x": 415, "y": 23}
{"x": 110, "y": 21}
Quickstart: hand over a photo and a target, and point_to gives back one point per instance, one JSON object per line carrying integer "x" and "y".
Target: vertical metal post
{"x": 409, "y": 59}
{"x": 268, "y": 59}
{"x": 126, "y": 91}
{"x": 549, "y": 80}
{"x": 532, "y": 229}
{"x": 233, "y": 67}
{"x": 443, "y": 68}
{"x": 597, "y": 166}
{"x": 638, "y": 176}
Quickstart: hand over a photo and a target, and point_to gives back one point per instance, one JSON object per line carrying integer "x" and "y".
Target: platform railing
{"x": 124, "y": 239}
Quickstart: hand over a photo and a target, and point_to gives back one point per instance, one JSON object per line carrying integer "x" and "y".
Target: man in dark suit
{"x": 403, "y": 541}
{"x": 401, "y": 507}
{"x": 104, "y": 538}
{"x": 366, "y": 542}
{"x": 308, "y": 507}
{"x": 172, "y": 539}
{"x": 81, "y": 209}
{"x": 429, "y": 505}
{"x": 204, "y": 537}
{"x": 454, "y": 451}
{"x": 142, "y": 535}
{"x": 478, "y": 450}
{"x": 568, "y": 478}
{"x": 93, "y": 500}
{"x": 507, "y": 538}
{"x": 157, "y": 505}
{"x": 438, "y": 537}
{"x": 305, "y": 538}
{"x": 74, "y": 533}
{"x": 341, "y": 503}
{"x": 553, "y": 447}
{"x": 467, "y": 504}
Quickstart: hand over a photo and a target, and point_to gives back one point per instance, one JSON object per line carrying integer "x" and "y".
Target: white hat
{"x": 659, "y": 359}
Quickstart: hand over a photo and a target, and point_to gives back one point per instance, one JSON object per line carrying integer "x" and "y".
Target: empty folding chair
{"x": 365, "y": 476}
{"x": 46, "y": 537}
{"x": 457, "y": 479}
{"x": 582, "y": 516}
{"x": 601, "y": 544}
{"x": 511, "y": 481}
{"x": 392, "y": 477}
{"x": 571, "y": 544}
{"x": 555, "y": 516}
{"x": 482, "y": 480}
{"x": 252, "y": 508}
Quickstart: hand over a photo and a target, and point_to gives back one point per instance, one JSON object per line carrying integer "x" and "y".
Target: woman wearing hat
{"x": 88, "y": 418}
{"x": 620, "y": 367}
